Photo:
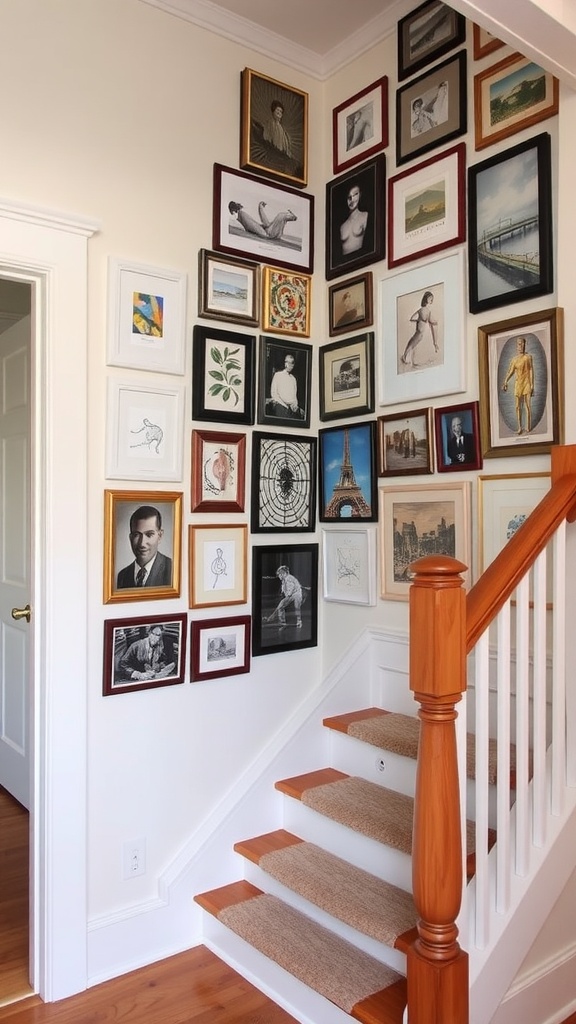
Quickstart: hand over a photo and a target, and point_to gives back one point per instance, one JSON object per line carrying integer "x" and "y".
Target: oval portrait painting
{"x": 522, "y": 384}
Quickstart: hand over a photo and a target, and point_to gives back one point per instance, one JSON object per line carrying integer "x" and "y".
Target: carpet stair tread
{"x": 356, "y": 897}
{"x": 351, "y": 979}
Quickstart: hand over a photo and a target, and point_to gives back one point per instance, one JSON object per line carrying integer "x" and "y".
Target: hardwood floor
{"x": 13, "y": 899}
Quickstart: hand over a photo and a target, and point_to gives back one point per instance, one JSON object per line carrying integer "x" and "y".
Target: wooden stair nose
{"x": 216, "y": 900}
{"x": 256, "y": 848}
{"x": 386, "y": 1007}
{"x": 298, "y": 785}
{"x": 340, "y": 723}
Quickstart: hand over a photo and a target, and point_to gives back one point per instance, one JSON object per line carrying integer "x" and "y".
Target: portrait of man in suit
{"x": 150, "y": 567}
{"x": 460, "y": 446}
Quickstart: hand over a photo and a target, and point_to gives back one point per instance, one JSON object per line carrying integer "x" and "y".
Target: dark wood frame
{"x": 138, "y": 625}
{"x": 359, "y": 323}
{"x": 453, "y": 71}
{"x": 197, "y": 627}
{"x": 469, "y": 412}
{"x": 361, "y": 346}
{"x": 303, "y": 354}
{"x": 339, "y": 116}
{"x": 544, "y": 282}
{"x": 113, "y": 502}
{"x": 203, "y": 504}
{"x": 403, "y": 420}
{"x": 211, "y": 312}
{"x": 370, "y": 177}
{"x": 501, "y": 71}
{"x": 259, "y": 93}
{"x": 483, "y": 49}
{"x": 201, "y": 374}
{"x": 331, "y": 446}
{"x": 456, "y": 36}
{"x": 283, "y": 465}
{"x": 302, "y": 562}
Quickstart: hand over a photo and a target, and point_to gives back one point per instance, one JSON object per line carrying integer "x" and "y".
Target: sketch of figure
{"x": 264, "y": 228}
{"x": 218, "y": 567}
{"x": 153, "y": 435}
{"x": 348, "y": 565}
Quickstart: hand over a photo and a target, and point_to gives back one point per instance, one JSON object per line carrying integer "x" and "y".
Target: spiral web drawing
{"x": 285, "y": 484}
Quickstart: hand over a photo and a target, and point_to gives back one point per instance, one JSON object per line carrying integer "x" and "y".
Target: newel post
{"x": 437, "y": 967}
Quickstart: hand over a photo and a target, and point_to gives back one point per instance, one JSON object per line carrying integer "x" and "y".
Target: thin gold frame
{"x": 297, "y": 288}
{"x": 112, "y": 501}
{"x": 295, "y": 123}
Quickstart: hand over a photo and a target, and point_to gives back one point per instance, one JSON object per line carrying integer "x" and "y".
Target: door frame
{"x": 50, "y": 251}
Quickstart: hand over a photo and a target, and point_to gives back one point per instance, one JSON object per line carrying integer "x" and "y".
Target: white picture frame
{"x": 505, "y": 500}
{"x": 144, "y": 431}
{"x": 349, "y": 566}
{"x": 146, "y": 317}
{"x": 434, "y": 367}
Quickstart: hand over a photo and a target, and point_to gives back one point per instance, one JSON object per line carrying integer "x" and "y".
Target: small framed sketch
{"x": 142, "y": 536}
{"x": 143, "y": 653}
{"x": 144, "y": 431}
{"x": 510, "y": 225}
{"x": 521, "y": 364}
{"x": 257, "y": 220}
{"x": 422, "y": 329}
{"x": 431, "y": 110}
{"x": 218, "y": 570}
{"x": 223, "y": 379}
{"x": 428, "y": 32}
{"x": 484, "y": 42}
{"x": 504, "y": 502}
{"x": 510, "y": 96}
{"x": 146, "y": 317}
{"x": 218, "y": 471}
{"x": 286, "y": 302}
{"x": 427, "y": 207}
{"x": 422, "y": 519}
{"x": 405, "y": 443}
{"x": 347, "y": 461}
{"x": 284, "y": 383}
{"x": 350, "y": 306}
{"x": 349, "y": 566}
{"x": 274, "y": 129}
{"x": 228, "y": 289}
{"x": 347, "y": 377}
{"x": 458, "y": 437}
{"x": 283, "y": 483}
{"x": 355, "y": 218}
{"x": 360, "y": 126}
{"x": 219, "y": 647}
{"x": 284, "y": 598}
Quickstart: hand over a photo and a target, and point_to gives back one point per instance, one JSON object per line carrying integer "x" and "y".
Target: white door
{"x": 15, "y": 597}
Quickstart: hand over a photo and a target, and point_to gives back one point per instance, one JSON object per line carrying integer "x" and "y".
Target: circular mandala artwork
{"x": 288, "y": 302}
{"x": 285, "y": 484}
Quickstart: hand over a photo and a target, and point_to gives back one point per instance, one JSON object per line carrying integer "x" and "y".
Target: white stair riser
{"x": 355, "y": 757}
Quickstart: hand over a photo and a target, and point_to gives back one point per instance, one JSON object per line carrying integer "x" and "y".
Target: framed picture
{"x": 404, "y": 443}
{"x": 286, "y": 302}
{"x": 218, "y": 471}
{"x": 431, "y": 110}
{"x": 258, "y": 220}
{"x": 219, "y": 647}
{"x": 218, "y": 556}
{"x": 140, "y": 654}
{"x": 228, "y": 288}
{"x": 484, "y": 42}
{"x": 428, "y": 32}
{"x": 521, "y": 367}
{"x": 283, "y": 483}
{"x": 146, "y": 317}
{"x": 360, "y": 126}
{"x": 349, "y": 566}
{"x": 284, "y": 384}
{"x": 142, "y": 537}
{"x": 510, "y": 226}
{"x": 504, "y": 502}
{"x": 347, "y": 461}
{"x": 422, "y": 329}
{"x": 422, "y": 519}
{"x": 223, "y": 378}
{"x": 144, "y": 431}
{"x": 512, "y": 95}
{"x": 274, "y": 129}
{"x": 350, "y": 305}
{"x": 355, "y": 217}
{"x": 457, "y": 438}
{"x": 427, "y": 207}
{"x": 347, "y": 377}
{"x": 284, "y": 598}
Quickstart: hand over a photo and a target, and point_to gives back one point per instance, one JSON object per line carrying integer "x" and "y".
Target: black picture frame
{"x": 222, "y": 391}
{"x": 273, "y": 129}
{"x": 424, "y": 120}
{"x": 497, "y": 278}
{"x": 458, "y": 455}
{"x": 428, "y": 32}
{"x": 366, "y": 185}
{"x": 272, "y": 359}
{"x": 131, "y": 664}
{"x": 283, "y": 483}
{"x": 269, "y": 634}
{"x": 347, "y": 377}
{"x": 347, "y": 473}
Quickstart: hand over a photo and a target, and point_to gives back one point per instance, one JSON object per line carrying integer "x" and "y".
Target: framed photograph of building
{"x": 510, "y": 96}
{"x": 218, "y": 471}
{"x": 349, "y": 566}
{"x": 274, "y": 129}
{"x": 143, "y": 653}
{"x": 432, "y": 109}
{"x": 283, "y": 483}
{"x": 458, "y": 438}
{"x": 427, "y": 33}
{"x": 347, "y": 377}
{"x": 284, "y": 598}
{"x": 219, "y": 647}
{"x": 360, "y": 126}
{"x": 347, "y": 461}
{"x": 404, "y": 442}
{"x": 223, "y": 379}
{"x": 218, "y": 565}
{"x": 350, "y": 305}
{"x": 228, "y": 289}
{"x": 286, "y": 299}
{"x": 142, "y": 538}
{"x": 355, "y": 218}
{"x": 284, "y": 383}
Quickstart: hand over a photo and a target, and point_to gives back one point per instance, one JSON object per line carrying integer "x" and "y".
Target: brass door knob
{"x": 22, "y": 613}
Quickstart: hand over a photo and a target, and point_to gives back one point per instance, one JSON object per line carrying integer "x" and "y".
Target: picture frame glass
{"x": 349, "y": 566}
{"x": 283, "y": 483}
{"x": 284, "y": 385}
{"x": 405, "y": 443}
{"x": 347, "y": 377}
{"x": 348, "y": 473}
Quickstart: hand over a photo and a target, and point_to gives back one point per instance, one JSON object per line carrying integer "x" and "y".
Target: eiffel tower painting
{"x": 346, "y": 493}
